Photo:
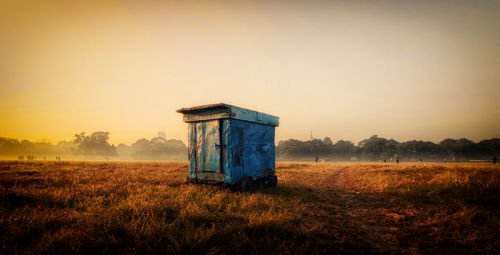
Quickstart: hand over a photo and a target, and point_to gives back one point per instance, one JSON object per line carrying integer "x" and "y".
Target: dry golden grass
{"x": 97, "y": 207}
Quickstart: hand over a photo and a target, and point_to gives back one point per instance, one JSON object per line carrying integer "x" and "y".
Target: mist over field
{"x": 389, "y": 150}
{"x": 97, "y": 147}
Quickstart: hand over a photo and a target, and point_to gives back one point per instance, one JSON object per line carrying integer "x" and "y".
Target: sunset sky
{"x": 348, "y": 69}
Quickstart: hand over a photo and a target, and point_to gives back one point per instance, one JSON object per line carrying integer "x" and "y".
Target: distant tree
{"x": 412, "y": 150}
{"x": 142, "y": 147}
{"x": 458, "y": 149}
{"x": 13, "y": 146}
{"x": 319, "y": 148}
{"x": 344, "y": 150}
{"x": 124, "y": 150}
{"x": 96, "y": 144}
{"x": 327, "y": 141}
{"x": 489, "y": 147}
{"x": 376, "y": 148}
{"x": 10, "y": 146}
{"x": 159, "y": 148}
{"x": 158, "y": 145}
{"x": 64, "y": 147}
{"x": 309, "y": 150}
{"x": 293, "y": 149}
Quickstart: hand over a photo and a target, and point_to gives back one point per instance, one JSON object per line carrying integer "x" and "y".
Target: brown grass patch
{"x": 96, "y": 207}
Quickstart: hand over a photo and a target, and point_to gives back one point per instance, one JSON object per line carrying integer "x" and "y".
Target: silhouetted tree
{"x": 378, "y": 148}
{"x": 96, "y": 144}
{"x": 457, "y": 149}
{"x": 159, "y": 148}
{"x": 327, "y": 141}
{"x": 344, "y": 150}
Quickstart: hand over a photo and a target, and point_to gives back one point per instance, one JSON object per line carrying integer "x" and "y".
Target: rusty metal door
{"x": 208, "y": 146}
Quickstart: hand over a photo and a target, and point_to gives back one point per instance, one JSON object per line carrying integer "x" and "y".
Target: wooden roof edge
{"x": 236, "y": 113}
{"x": 202, "y": 108}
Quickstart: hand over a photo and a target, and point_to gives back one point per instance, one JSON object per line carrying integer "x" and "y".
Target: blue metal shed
{"x": 229, "y": 144}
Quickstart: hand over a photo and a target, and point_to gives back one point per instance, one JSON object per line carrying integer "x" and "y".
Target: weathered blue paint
{"x": 253, "y": 149}
{"x": 207, "y": 146}
{"x": 228, "y": 143}
{"x": 227, "y": 150}
{"x": 192, "y": 150}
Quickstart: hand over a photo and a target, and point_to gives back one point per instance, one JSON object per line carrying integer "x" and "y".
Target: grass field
{"x": 119, "y": 207}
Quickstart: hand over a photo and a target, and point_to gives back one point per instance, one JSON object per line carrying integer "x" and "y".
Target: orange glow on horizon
{"x": 348, "y": 70}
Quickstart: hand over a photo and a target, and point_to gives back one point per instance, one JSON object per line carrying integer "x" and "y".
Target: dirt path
{"x": 370, "y": 214}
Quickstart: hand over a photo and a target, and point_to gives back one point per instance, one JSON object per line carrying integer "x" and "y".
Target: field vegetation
{"x": 133, "y": 207}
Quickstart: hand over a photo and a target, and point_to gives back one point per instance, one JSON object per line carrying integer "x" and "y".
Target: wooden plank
{"x": 195, "y": 117}
{"x": 207, "y": 153}
{"x": 253, "y": 116}
{"x": 203, "y": 108}
{"x": 192, "y": 150}
{"x": 223, "y": 111}
{"x": 211, "y": 176}
{"x": 226, "y": 157}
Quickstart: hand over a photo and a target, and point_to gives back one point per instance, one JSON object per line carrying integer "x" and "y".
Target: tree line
{"x": 97, "y": 145}
{"x": 159, "y": 148}
{"x": 378, "y": 148}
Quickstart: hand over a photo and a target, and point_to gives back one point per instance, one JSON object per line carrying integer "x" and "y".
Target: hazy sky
{"x": 349, "y": 69}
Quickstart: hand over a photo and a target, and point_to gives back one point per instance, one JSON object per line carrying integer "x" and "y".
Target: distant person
{"x": 316, "y": 159}
{"x": 397, "y": 160}
{"x": 494, "y": 160}
{"x": 385, "y": 160}
{"x": 420, "y": 160}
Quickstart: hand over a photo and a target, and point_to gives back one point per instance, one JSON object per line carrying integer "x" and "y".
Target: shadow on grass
{"x": 12, "y": 201}
{"x": 205, "y": 236}
{"x": 161, "y": 229}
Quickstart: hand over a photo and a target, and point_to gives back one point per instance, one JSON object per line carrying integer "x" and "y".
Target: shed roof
{"x": 226, "y": 111}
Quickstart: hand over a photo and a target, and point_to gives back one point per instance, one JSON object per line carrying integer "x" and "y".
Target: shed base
{"x": 267, "y": 181}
